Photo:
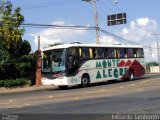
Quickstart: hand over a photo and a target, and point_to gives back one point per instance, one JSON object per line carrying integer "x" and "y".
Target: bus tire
{"x": 131, "y": 75}
{"x": 85, "y": 80}
{"x": 63, "y": 87}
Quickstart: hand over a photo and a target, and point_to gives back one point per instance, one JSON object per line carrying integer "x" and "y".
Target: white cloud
{"x": 143, "y": 21}
{"x": 125, "y": 31}
{"x": 139, "y": 31}
{"x": 107, "y": 40}
{"x": 50, "y": 35}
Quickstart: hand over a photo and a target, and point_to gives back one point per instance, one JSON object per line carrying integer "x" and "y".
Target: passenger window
{"x": 73, "y": 52}
{"x": 85, "y": 53}
{"x": 111, "y": 53}
{"x": 130, "y": 52}
{"x": 140, "y": 53}
{"x": 123, "y": 52}
{"x": 100, "y": 52}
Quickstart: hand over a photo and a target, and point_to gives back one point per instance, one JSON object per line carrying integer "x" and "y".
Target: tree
{"x": 15, "y": 61}
{"x": 152, "y": 64}
{"x": 24, "y": 48}
{"x": 4, "y": 57}
{"x": 10, "y": 21}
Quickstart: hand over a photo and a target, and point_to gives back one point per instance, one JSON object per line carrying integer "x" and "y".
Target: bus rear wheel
{"x": 85, "y": 81}
{"x": 131, "y": 75}
{"x": 63, "y": 87}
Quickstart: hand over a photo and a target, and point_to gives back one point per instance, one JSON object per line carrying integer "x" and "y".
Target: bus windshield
{"x": 53, "y": 61}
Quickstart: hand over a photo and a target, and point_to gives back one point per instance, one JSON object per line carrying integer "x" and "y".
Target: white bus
{"x": 81, "y": 64}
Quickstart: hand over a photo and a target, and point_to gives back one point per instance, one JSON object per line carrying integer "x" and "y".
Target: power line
{"x": 56, "y": 26}
{"x": 50, "y": 5}
{"x": 39, "y": 4}
{"x": 125, "y": 40}
{"x": 106, "y": 7}
{"x": 115, "y": 36}
{"x": 72, "y": 27}
{"x": 49, "y": 25}
{"x": 60, "y": 28}
{"x": 81, "y": 28}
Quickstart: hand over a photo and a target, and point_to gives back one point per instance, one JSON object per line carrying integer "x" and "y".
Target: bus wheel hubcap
{"x": 85, "y": 81}
{"x": 131, "y": 75}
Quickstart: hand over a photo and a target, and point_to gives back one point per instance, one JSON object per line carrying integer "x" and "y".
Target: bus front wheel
{"x": 85, "y": 81}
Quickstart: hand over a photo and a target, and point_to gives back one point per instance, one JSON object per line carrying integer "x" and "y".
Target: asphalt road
{"x": 99, "y": 101}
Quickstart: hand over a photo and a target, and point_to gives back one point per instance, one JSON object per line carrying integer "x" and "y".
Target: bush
{"x": 31, "y": 59}
{"x": 20, "y": 68}
{"x": 1, "y": 83}
{"x": 4, "y": 57}
{"x": 12, "y": 68}
{"x": 13, "y": 82}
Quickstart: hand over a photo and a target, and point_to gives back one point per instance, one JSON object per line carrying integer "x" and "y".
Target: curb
{"x": 26, "y": 89}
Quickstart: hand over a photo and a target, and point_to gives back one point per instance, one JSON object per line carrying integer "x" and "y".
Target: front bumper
{"x": 57, "y": 81}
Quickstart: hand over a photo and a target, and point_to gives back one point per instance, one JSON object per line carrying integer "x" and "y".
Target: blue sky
{"x": 142, "y": 20}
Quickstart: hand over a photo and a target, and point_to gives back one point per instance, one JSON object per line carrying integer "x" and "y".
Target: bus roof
{"x": 91, "y": 45}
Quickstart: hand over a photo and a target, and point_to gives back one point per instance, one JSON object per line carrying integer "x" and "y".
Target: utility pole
{"x": 156, "y": 34}
{"x": 96, "y": 19}
{"x": 38, "y": 64}
{"x": 150, "y": 58}
{"x": 38, "y": 37}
